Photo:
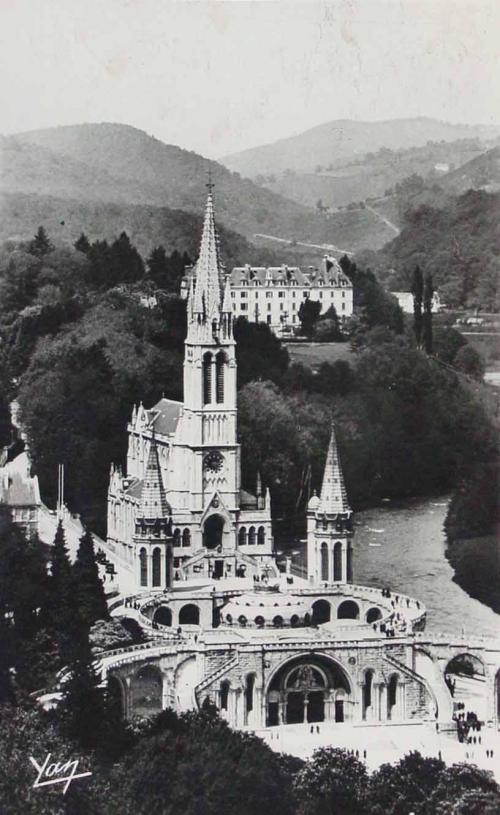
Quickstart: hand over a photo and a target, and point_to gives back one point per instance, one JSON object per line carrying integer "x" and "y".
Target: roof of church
{"x": 333, "y": 492}
{"x": 167, "y": 415}
{"x": 153, "y": 503}
{"x": 247, "y": 500}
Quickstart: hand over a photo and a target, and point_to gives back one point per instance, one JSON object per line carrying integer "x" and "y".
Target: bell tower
{"x": 209, "y": 414}
{"x": 329, "y": 526}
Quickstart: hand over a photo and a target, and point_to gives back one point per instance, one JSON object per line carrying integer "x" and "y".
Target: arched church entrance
{"x": 163, "y": 616}
{"x": 189, "y": 615}
{"x": 212, "y": 531}
{"x": 308, "y": 689}
{"x": 466, "y": 680}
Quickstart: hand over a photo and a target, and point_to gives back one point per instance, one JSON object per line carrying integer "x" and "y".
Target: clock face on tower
{"x": 213, "y": 462}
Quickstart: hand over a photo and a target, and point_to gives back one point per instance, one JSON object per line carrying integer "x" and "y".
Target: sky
{"x": 218, "y": 77}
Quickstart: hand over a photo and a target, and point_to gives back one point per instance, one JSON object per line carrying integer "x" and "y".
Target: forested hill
{"x": 147, "y": 226}
{"x": 458, "y": 243}
{"x": 120, "y": 164}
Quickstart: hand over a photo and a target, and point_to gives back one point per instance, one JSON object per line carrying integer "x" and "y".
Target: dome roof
{"x": 314, "y": 501}
{"x": 263, "y": 607}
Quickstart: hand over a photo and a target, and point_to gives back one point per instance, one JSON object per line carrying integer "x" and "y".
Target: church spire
{"x": 333, "y": 492}
{"x": 207, "y": 292}
{"x": 153, "y": 503}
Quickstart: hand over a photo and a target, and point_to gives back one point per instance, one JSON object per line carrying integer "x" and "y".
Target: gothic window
{"x": 177, "y": 537}
{"x": 143, "y": 560}
{"x": 224, "y": 695}
{"x": 337, "y": 561}
{"x": 349, "y": 563}
{"x": 156, "y": 567}
{"x": 249, "y": 686}
{"x": 220, "y": 365}
{"x": 392, "y": 691}
{"x": 261, "y": 536}
{"x": 324, "y": 562}
{"x": 207, "y": 378}
{"x": 251, "y": 536}
{"x": 242, "y": 536}
{"x": 186, "y": 538}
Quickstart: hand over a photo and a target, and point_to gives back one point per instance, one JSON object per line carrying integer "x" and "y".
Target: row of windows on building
{"x": 337, "y": 562}
{"x": 244, "y": 307}
{"x": 282, "y": 294}
{"x": 252, "y": 537}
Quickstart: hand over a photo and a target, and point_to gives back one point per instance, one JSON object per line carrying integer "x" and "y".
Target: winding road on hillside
{"x": 326, "y": 247}
{"x": 384, "y": 220}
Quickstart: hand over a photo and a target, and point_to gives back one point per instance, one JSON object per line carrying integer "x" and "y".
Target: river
{"x": 402, "y": 545}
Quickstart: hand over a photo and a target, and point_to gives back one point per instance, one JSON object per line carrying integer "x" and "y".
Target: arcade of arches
{"x": 315, "y": 690}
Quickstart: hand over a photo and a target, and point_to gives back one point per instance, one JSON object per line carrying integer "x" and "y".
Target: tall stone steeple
{"x": 329, "y": 525}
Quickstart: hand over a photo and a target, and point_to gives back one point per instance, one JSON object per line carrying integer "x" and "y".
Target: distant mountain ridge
{"x": 482, "y": 172}
{"x": 345, "y": 139}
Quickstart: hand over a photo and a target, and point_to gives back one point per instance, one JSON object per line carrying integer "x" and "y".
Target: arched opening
{"x": 325, "y": 572}
{"x": 278, "y": 621}
{"x": 251, "y": 536}
{"x": 189, "y": 615}
{"x": 367, "y": 693}
{"x": 224, "y": 695}
{"x": 115, "y": 698}
{"x": 373, "y": 614}
{"x": 261, "y": 536}
{"x": 242, "y": 536}
{"x": 156, "y": 566}
{"x": 348, "y": 610}
{"x": 308, "y": 689}
{"x": 186, "y": 537}
{"x": 337, "y": 562}
{"x": 321, "y": 612}
{"x": 392, "y": 696}
{"x": 143, "y": 565}
{"x": 349, "y": 563}
{"x": 294, "y": 620}
{"x": 163, "y": 616}
{"x": 207, "y": 378}
{"x": 220, "y": 364}
{"x": 177, "y": 537}
{"x": 465, "y": 677}
{"x": 146, "y": 691}
{"x": 259, "y": 621}
{"x": 212, "y": 532}
{"x": 249, "y": 692}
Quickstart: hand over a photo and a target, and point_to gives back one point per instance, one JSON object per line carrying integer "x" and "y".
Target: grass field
{"x": 313, "y": 354}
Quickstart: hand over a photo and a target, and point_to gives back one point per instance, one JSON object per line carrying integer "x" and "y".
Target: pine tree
{"x": 89, "y": 589}
{"x": 83, "y": 700}
{"x": 61, "y": 611}
{"x": 40, "y": 245}
{"x": 417, "y": 289}
{"x": 158, "y": 266}
{"x": 427, "y": 319}
{"x": 82, "y": 244}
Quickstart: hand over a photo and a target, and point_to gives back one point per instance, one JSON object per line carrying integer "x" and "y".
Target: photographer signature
{"x": 56, "y": 772}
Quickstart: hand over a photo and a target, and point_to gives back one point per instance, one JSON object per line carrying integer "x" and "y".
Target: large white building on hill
{"x": 273, "y": 295}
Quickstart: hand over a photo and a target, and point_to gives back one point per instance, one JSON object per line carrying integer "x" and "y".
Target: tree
{"x": 327, "y": 328}
{"x": 331, "y": 781}
{"x": 61, "y": 610}
{"x": 40, "y": 245}
{"x": 82, "y": 244}
{"x": 259, "y": 353}
{"x": 89, "y": 589}
{"x": 427, "y": 317}
{"x": 83, "y": 705}
{"x": 468, "y": 361}
{"x": 417, "y": 289}
{"x": 309, "y": 312}
{"x": 406, "y": 786}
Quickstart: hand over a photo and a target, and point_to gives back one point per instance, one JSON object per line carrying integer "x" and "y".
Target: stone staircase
{"x": 214, "y": 676}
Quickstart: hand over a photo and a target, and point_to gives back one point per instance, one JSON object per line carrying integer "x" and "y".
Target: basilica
{"x": 272, "y": 649}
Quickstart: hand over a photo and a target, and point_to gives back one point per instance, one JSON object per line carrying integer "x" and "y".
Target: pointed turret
{"x": 333, "y": 492}
{"x": 153, "y": 503}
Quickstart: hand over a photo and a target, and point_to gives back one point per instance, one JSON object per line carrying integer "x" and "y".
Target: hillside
{"x": 347, "y": 139}
{"x": 482, "y": 172}
{"x": 458, "y": 243}
{"x": 147, "y": 226}
{"x": 372, "y": 175}
{"x": 110, "y": 163}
